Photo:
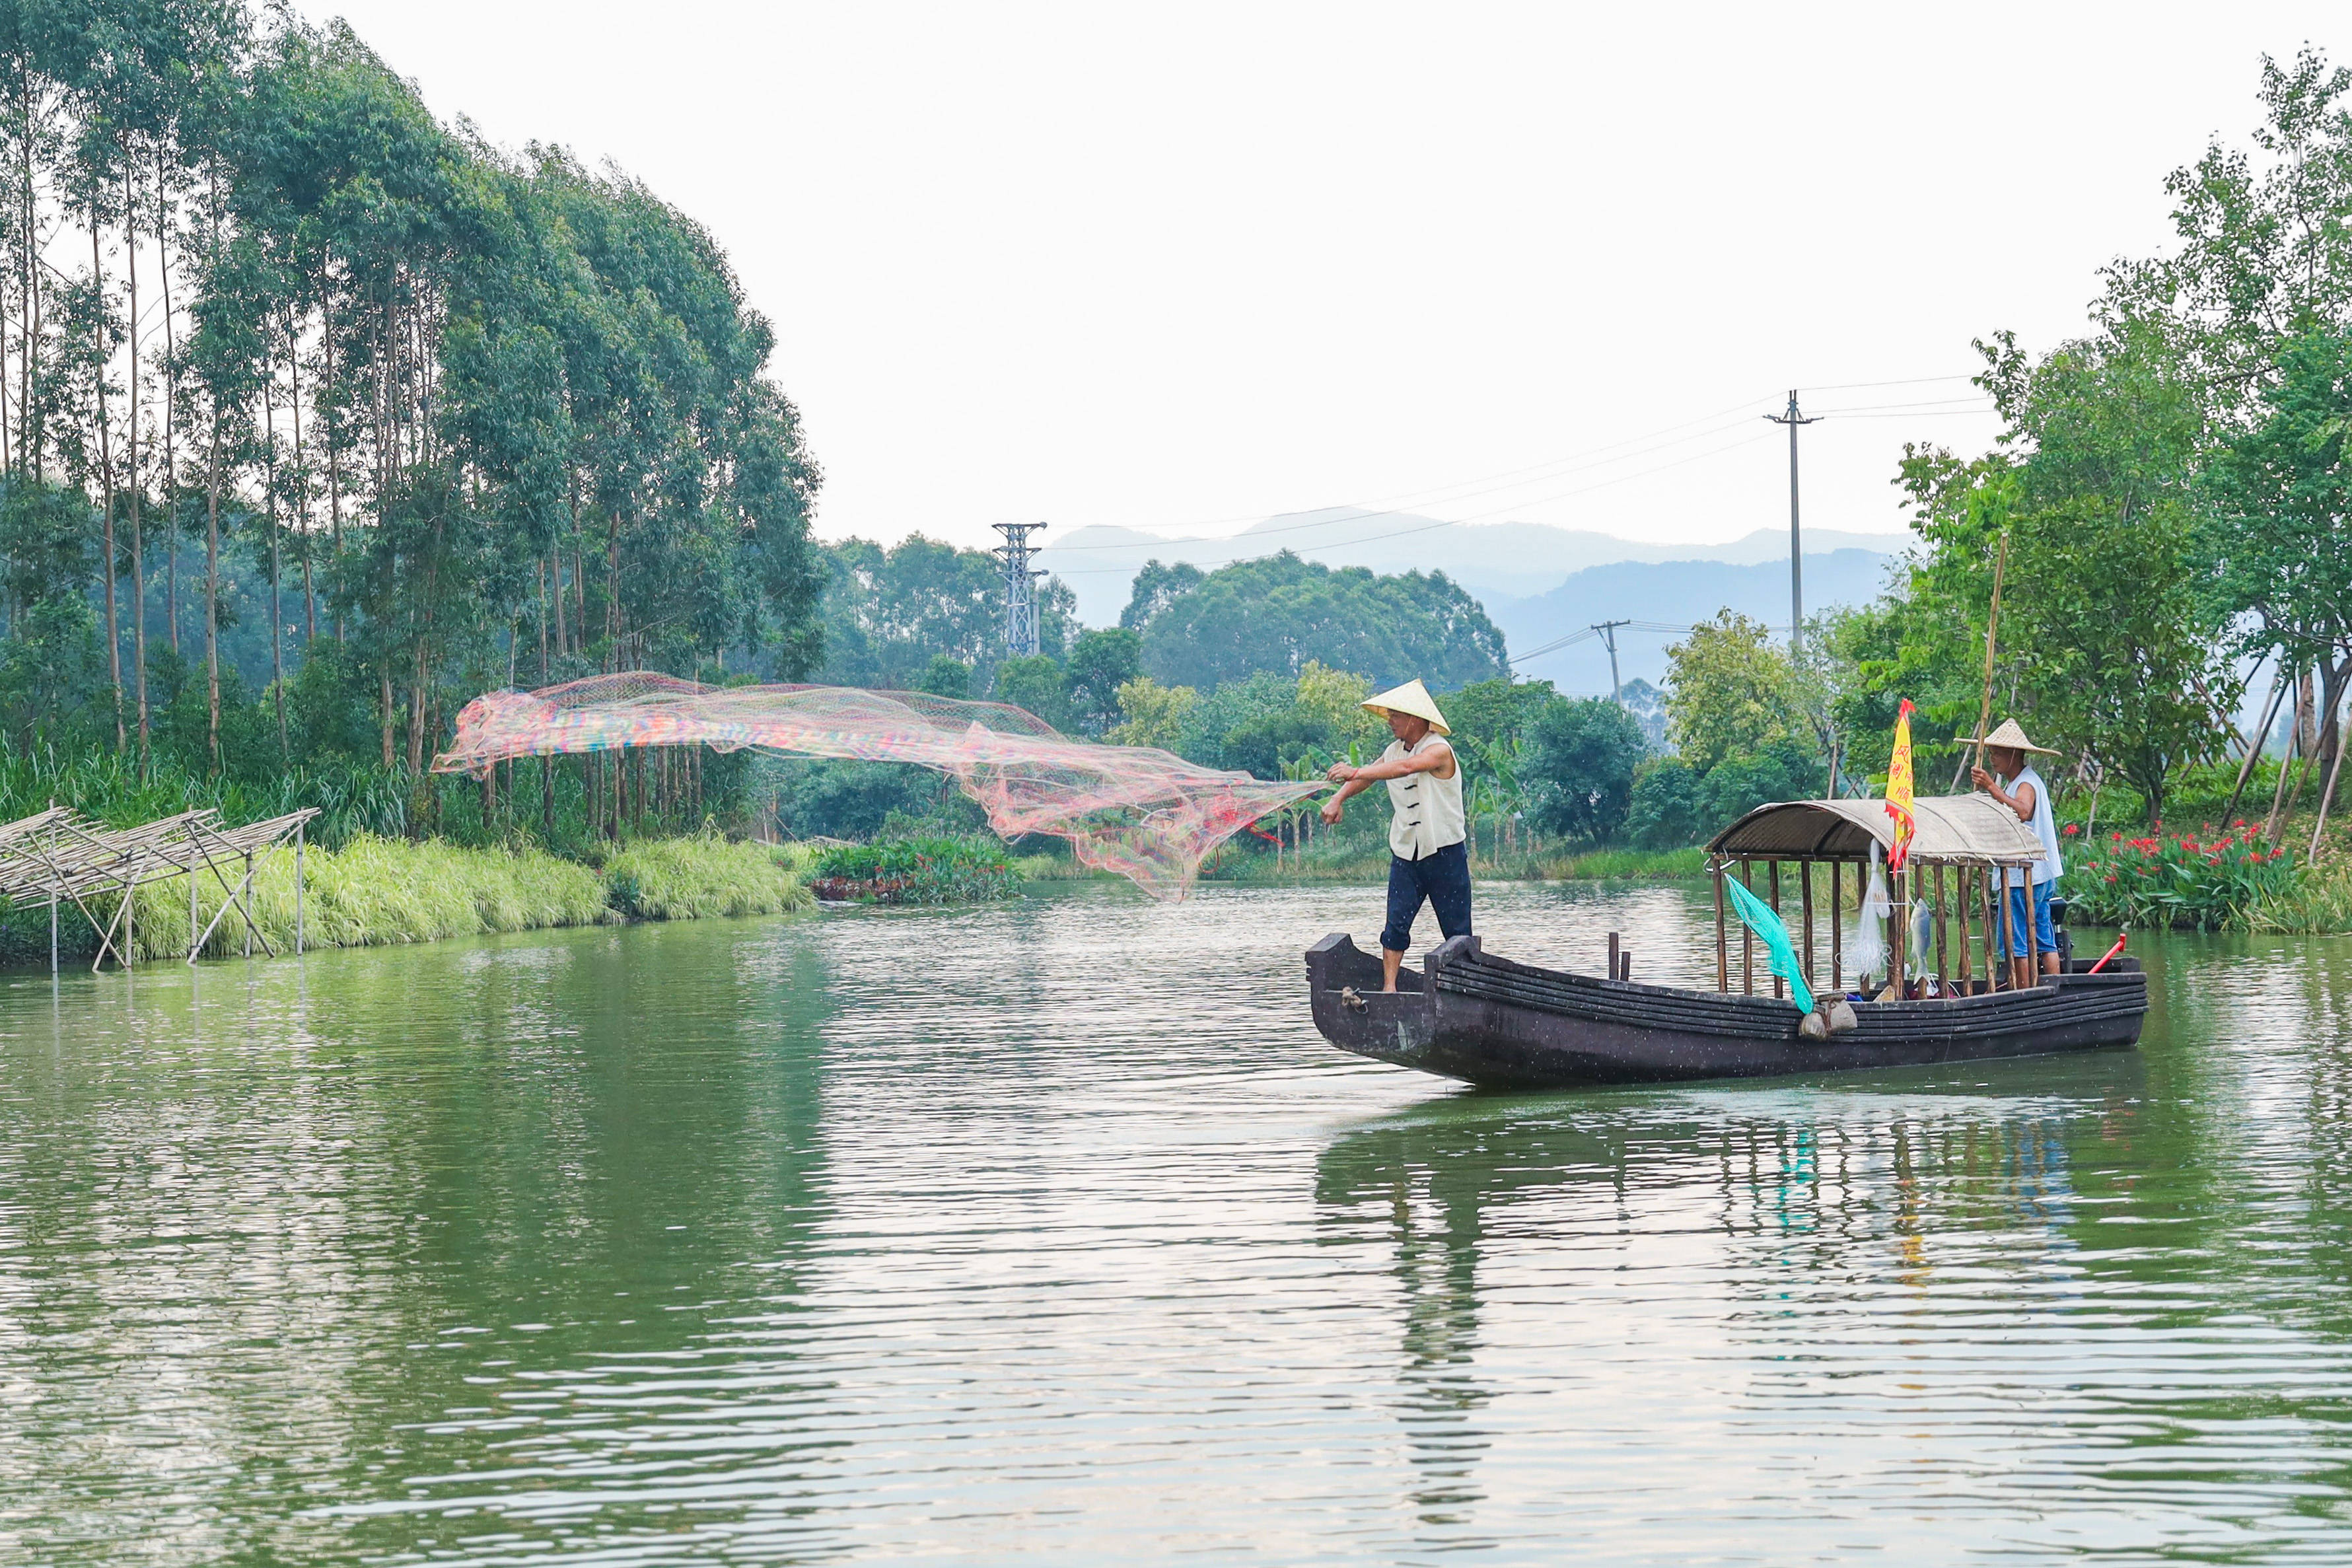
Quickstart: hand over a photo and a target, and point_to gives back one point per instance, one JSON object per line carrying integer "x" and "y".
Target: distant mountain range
{"x": 1495, "y": 561}
{"x": 1677, "y": 594}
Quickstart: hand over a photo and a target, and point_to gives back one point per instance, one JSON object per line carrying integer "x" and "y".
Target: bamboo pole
{"x": 2006, "y": 969}
{"x": 1805, "y": 878}
{"x": 2272, "y": 823}
{"x": 1943, "y": 966}
{"x": 2032, "y": 936}
{"x": 1899, "y": 936}
{"x": 1772, "y": 872}
{"x": 1722, "y": 954}
{"x": 2254, "y": 750}
{"x": 2334, "y": 771}
{"x": 1960, "y": 901}
{"x": 1748, "y": 941}
{"x": 1837, "y": 928}
{"x": 1993, "y": 627}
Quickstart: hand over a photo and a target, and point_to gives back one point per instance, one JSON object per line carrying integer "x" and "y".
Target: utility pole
{"x": 1020, "y": 589}
{"x": 1608, "y": 630}
{"x": 1796, "y": 538}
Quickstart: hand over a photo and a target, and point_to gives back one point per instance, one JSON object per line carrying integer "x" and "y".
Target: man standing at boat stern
{"x": 2028, "y": 796}
{"x": 1428, "y": 861}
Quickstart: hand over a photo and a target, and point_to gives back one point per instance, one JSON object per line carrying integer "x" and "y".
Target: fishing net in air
{"x": 1146, "y": 814}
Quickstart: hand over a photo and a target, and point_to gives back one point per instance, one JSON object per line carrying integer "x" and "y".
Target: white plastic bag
{"x": 1866, "y": 950}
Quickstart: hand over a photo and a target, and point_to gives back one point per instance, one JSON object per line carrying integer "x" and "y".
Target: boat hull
{"x": 1492, "y": 1022}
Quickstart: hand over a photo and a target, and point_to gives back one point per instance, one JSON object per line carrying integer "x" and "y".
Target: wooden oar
{"x": 1993, "y": 627}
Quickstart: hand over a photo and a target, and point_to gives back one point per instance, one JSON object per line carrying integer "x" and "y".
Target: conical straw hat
{"x": 2011, "y": 735}
{"x": 1411, "y": 698}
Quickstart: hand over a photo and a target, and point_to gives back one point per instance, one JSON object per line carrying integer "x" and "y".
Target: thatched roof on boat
{"x": 1960, "y": 830}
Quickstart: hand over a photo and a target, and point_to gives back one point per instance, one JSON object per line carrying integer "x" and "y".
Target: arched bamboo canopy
{"x": 1952, "y": 830}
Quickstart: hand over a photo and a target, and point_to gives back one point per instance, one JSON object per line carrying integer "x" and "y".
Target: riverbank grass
{"x": 380, "y": 892}
{"x": 702, "y": 878}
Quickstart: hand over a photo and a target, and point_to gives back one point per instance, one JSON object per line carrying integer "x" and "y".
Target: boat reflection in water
{"x": 1697, "y": 1287}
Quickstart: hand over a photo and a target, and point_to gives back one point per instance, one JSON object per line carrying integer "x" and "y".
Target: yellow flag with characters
{"x": 1898, "y": 790}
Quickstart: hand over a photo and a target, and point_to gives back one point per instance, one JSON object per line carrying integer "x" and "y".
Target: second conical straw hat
{"x": 2012, "y": 734}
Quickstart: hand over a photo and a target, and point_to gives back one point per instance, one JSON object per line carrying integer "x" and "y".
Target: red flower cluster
{"x": 2184, "y": 879}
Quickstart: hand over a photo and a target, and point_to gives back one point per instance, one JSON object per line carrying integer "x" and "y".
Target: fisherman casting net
{"x": 1146, "y": 814}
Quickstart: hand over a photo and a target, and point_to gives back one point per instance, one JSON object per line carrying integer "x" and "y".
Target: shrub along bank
{"x": 926, "y": 870}
{"x": 379, "y": 891}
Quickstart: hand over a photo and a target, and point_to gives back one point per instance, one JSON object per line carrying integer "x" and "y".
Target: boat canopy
{"x": 1952, "y": 830}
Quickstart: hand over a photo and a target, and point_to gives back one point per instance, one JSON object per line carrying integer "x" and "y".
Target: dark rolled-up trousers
{"x": 1441, "y": 878}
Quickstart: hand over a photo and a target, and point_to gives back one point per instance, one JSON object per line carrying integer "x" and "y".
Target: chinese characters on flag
{"x": 1898, "y": 790}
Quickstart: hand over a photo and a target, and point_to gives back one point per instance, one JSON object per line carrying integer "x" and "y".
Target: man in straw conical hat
{"x": 1427, "y": 858}
{"x": 2026, "y": 794}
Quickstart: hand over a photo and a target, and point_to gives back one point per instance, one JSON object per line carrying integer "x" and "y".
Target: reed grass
{"x": 2318, "y": 904}
{"x": 374, "y": 892}
{"x": 703, "y": 877}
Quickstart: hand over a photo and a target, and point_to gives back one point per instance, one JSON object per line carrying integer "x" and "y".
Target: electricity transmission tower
{"x": 1796, "y": 540}
{"x": 1020, "y": 589}
{"x": 1608, "y": 630}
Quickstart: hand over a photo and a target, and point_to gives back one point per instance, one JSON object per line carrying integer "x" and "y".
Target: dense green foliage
{"x": 405, "y": 417}
{"x": 925, "y": 870}
{"x": 890, "y": 613}
{"x": 1279, "y": 614}
{"x": 1579, "y": 764}
{"x": 2171, "y": 487}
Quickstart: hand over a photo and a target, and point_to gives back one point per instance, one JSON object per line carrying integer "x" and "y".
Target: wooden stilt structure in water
{"x": 59, "y": 854}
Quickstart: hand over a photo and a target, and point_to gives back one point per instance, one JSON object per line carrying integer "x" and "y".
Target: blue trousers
{"x": 2044, "y": 933}
{"x": 1441, "y": 878}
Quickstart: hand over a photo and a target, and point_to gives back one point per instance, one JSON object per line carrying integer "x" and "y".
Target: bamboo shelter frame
{"x": 59, "y": 854}
{"x": 1962, "y": 845}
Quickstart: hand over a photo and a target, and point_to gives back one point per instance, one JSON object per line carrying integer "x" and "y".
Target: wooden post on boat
{"x": 1746, "y": 937}
{"x": 1772, "y": 873}
{"x": 2008, "y": 940}
{"x": 1722, "y": 957}
{"x": 1943, "y": 969}
{"x": 2032, "y": 937}
{"x": 1837, "y": 928}
{"x": 1964, "y": 873}
{"x": 1899, "y": 936}
{"x": 1805, "y": 878}
{"x": 1613, "y": 954}
{"x": 1625, "y": 966}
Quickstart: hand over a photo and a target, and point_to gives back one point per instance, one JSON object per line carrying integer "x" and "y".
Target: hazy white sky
{"x": 1181, "y": 268}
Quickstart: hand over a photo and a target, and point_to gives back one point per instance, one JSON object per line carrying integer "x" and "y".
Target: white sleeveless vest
{"x": 2044, "y": 824}
{"x": 1428, "y": 809}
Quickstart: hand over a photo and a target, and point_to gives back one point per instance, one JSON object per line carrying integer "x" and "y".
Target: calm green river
{"x": 1052, "y": 1233}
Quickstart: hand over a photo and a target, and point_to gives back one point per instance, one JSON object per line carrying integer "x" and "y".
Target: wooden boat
{"x": 1474, "y": 1015}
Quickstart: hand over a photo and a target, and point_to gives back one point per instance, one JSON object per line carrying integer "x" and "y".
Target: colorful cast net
{"x": 1146, "y": 814}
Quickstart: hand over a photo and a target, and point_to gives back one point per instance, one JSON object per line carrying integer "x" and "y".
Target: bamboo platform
{"x": 59, "y": 856}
